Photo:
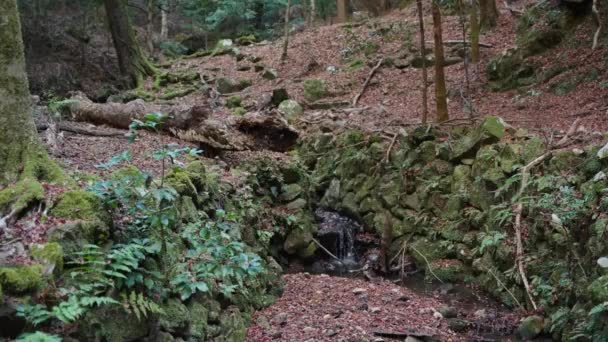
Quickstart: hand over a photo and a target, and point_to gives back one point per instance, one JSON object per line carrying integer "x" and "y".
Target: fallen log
{"x": 72, "y": 128}
{"x": 214, "y": 131}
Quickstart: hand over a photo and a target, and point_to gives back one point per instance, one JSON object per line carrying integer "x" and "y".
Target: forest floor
{"x": 350, "y": 309}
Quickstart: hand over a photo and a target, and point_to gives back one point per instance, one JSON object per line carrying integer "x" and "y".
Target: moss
{"x": 21, "y": 279}
{"x": 112, "y": 323}
{"x": 19, "y": 195}
{"x": 79, "y": 205}
{"x": 239, "y": 111}
{"x": 138, "y": 93}
{"x": 314, "y": 90}
{"x": 233, "y": 326}
{"x": 176, "y": 316}
{"x": 50, "y": 253}
{"x": 175, "y": 93}
{"x": 198, "y": 325}
{"x": 234, "y": 101}
{"x": 447, "y": 270}
{"x": 598, "y": 290}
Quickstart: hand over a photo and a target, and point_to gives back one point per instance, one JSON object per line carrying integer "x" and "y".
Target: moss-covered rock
{"x": 426, "y": 251}
{"x": 21, "y": 279}
{"x": 112, "y": 323}
{"x": 314, "y": 90}
{"x": 510, "y": 70}
{"x": 50, "y": 255}
{"x": 298, "y": 239}
{"x": 447, "y": 270}
{"x": 291, "y": 109}
{"x": 233, "y": 326}
{"x": 531, "y": 327}
{"x": 176, "y": 317}
{"x": 234, "y": 101}
{"x": 80, "y": 205}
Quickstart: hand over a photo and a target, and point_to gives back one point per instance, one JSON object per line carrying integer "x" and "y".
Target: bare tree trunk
{"x": 150, "y": 26}
{"x": 131, "y": 60}
{"x": 164, "y": 25}
{"x": 341, "y": 6}
{"x": 463, "y": 24}
{"x": 313, "y": 12}
{"x": 286, "y": 42}
{"x": 474, "y": 19}
{"x": 488, "y": 13}
{"x": 440, "y": 88}
{"x": 425, "y": 81}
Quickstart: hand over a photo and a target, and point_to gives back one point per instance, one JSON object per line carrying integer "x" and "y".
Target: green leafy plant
{"x": 216, "y": 259}
{"x": 38, "y": 336}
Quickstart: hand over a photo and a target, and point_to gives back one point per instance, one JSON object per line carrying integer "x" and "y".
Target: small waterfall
{"x": 337, "y": 233}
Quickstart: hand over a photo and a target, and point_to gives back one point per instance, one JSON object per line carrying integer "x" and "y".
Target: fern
{"x": 38, "y": 336}
{"x": 135, "y": 303}
{"x": 35, "y": 314}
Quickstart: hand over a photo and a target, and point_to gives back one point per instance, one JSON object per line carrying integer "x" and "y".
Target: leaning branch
{"x": 369, "y": 78}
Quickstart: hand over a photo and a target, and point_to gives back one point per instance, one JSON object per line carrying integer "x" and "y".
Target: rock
{"x": 480, "y": 314}
{"x": 602, "y": 153}
{"x": 227, "y": 85}
{"x": 459, "y": 325}
{"x": 448, "y": 311}
{"x": 412, "y": 339}
{"x": 176, "y": 317}
{"x": 509, "y": 70}
{"x": 224, "y": 44}
{"x": 359, "y": 290}
{"x": 530, "y": 327}
{"x": 19, "y": 280}
{"x": 332, "y": 195}
{"x": 246, "y": 40}
{"x": 298, "y": 204}
{"x": 298, "y": 238}
{"x": 233, "y": 327}
{"x": 258, "y": 67}
{"x": 493, "y": 127}
{"x": 50, "y": 256}
{"x": 243, "y": 67}
{"x": 375, "y": 309}
{"x": 309, "y": 330}
{"x": 112, "y": 323}
{"x": 314, "y": 90}
{"x": 270, "y": 74}
{"x": 291, "y": 109}
{"x": 234, "y": 101}
{"x": 279, "y": 95}
{"x": 290, "y": 192}
{"x": 280, "y": 318}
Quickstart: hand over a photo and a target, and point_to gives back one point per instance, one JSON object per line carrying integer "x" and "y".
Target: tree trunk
{"x": 16, "y": 124}
{"x": 131, "y": 60}
{"x": 150, "y": 26}
{"x": 313, "y": 12}
{"x": 440, "y": 88}
{"x": 164, "y": 25}
{"x": 425, "y": 81}
{"x": 194, "y": 123}
{"x": 23, "y": 160}
{"x": 341, "y": 6}
{"x": 286, "y": 42}
{"x": 474, "y": 19}
{"x": 488, "y": 13}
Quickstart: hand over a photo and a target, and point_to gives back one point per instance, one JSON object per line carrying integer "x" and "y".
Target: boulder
{"x": 270, "y": 74}
{"x": 291, "y": 109}
{"x": 227, "y": 85}
{"x": 314, "y": 90}
{"x": 530, "y": 327}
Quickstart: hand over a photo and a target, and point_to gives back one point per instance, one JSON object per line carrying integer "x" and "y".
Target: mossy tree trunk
{"x": 131, "y": 60}
{"x": 23, "y": 160}
{"x": 474, "y": 19}
{"x": 440, "y": 88}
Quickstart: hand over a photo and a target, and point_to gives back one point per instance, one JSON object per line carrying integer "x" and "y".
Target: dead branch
{"x": 366, "y": 83}
{"x": 598, "y": 20}
{"x": 390, "y": 147}
{"x": 455, "y": 42}
{"x": 326, "y": 250}
{"x": 518, "y": 209}
{"x": 428, "y": 265}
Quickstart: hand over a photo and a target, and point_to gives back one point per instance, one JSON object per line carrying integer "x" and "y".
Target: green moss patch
{"x": 21, "y": 279}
